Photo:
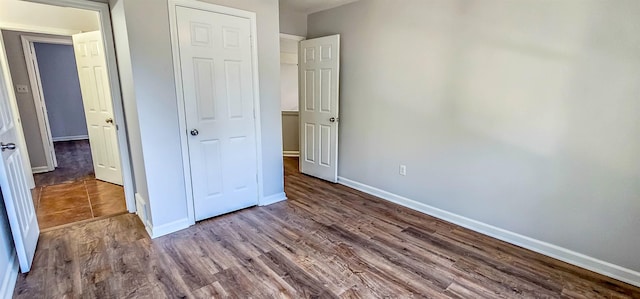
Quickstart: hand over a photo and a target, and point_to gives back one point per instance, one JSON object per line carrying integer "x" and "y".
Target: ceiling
{"x": 311, "y": 6}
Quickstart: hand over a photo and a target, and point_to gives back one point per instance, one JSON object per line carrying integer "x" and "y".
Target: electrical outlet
{"x": 21, "y": 88}
{"x": 403, "y": 169}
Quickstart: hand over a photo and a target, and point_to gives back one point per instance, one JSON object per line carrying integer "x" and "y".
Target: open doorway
{"x": 61, "y": 82}
{"x": 289, "y": 95}
{"x": 310, "y": 71}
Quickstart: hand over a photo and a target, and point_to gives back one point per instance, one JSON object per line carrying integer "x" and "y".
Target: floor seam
{"x": 86, "y": 191}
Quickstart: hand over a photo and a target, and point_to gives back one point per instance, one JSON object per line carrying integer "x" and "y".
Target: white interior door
{"x": 217, "y": 79}
{"x": 319, "y": 77}
{"x": 15, "y": 190}
{"x": 98, "y": 106}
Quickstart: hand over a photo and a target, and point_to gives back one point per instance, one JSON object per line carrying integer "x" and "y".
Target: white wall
{"x": 289, "y": 74}
{"x": 524, "y": 115}
{"x": 15, "y": 14}
{"x": 147, "y": 26}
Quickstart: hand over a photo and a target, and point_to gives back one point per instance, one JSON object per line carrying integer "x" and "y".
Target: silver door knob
{"x": 194, "y": 132}
{"x": 109, "y": 120}
{"x": 7, "y": 146}
{"x": 333, "y": 119}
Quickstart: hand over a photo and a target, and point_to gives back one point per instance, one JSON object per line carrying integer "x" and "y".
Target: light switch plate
{"x": 21, "y": 88}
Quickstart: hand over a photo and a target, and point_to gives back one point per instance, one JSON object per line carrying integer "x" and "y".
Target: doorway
{"x": 310, "y": 71}
{"x": 65, "y": 85}
{"x": 289, "y": 102}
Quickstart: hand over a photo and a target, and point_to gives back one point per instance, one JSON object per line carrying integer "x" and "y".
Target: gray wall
{"x": 7, "y": 251}
{"x": 293, "y": 22}
{"x": 61, "y": 88}
{"x": 290, "y": 131}
{"x": 18, "y": 69}
{"x": 520, "y": 114}
{"x": 155, "y": 102}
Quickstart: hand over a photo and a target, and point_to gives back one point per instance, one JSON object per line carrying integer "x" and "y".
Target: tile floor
{"x": 71, "y": 193}
{"x": 77, "y": 201}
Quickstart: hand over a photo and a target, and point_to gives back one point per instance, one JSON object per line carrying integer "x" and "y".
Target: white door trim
{"x": 37, "y": 29}
{"x": 180, "y": 96}
{"x": 38, "y": 94}
{"x": 114, "y": 81}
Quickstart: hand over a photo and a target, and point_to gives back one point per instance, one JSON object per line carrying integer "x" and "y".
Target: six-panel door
{"x": 98, "y": 106}
{"x": 319, "y": 76}
{"x": 217, "y": 82}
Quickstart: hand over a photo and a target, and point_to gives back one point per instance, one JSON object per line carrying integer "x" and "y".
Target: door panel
{"x": 319, "y": 78}
{"x": 216, "y": 69}
{"x": 309, "y": 143}
{"x": 96, "y": 97}
{"x": 15, "y": 189}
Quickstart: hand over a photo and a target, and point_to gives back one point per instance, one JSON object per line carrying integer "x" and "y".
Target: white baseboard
{"x": 143, "y": 212}
{"x": 291, "y": 153}
{"x": 271, "y": 199}
{"x": 171, "y": 227}
{"x": 70, "y": 138}
{"x": 554, "y": 251}
{"x": 9, "y": 278}
{"x": 40, "y": 169}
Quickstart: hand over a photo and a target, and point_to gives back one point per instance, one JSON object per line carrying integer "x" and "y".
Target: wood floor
{"x": 326, "y": 241}
{"x": 74, "y": 164}
{"x": 71, "y": 193}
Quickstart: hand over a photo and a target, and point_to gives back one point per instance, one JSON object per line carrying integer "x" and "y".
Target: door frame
{"x": 38, "y": 94}
{"x": 104, "y": 16}
{"x": 180, "y": 95}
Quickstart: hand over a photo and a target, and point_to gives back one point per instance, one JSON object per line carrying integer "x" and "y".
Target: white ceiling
{"x": 18, "y": 15}
{"x": 311, "y": 6}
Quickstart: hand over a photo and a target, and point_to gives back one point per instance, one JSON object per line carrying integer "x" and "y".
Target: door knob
{"x": 109, "y": 120}
{"x": 7, "y": 146}
{"x": 333, "y": 119}
{"x": 194, "y": 132}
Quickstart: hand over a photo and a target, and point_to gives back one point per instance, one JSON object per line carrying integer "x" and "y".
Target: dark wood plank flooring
{"x": 326, "y": 241}
{"x": 74, "y": 164}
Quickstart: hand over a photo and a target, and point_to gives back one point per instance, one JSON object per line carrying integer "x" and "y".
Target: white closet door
{"x": 217, "y": 73}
